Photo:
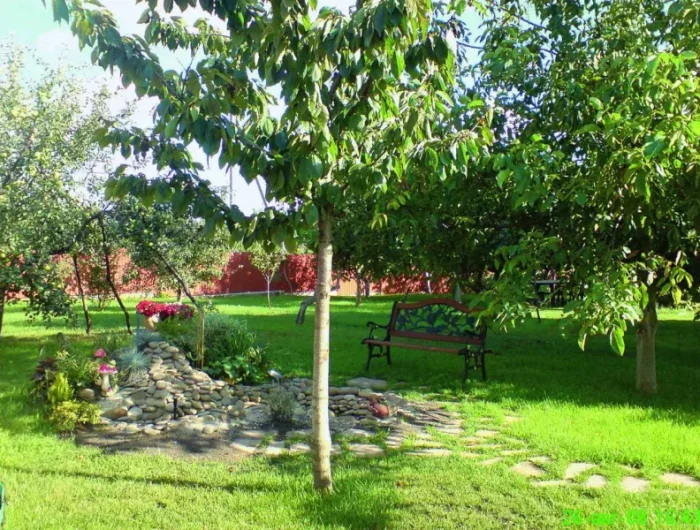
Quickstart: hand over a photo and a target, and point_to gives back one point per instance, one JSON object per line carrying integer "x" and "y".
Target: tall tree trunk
{"x": 321, "y": 434}
{"x": 179, "y": 295}
{"x": 268, "y": 280}
{"x": 79, "y": 281}
{"x": 283, "y": 268}
{"x": 646, "y": 347}
{"x": 108, "y": 274}
{"x": 2, "y": 308}
{"x": 180, "y": 280}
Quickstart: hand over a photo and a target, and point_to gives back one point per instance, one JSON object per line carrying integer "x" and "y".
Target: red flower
{"x": 149, "y": 308}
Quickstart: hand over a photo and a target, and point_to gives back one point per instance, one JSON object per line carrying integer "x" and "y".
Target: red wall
{"x": 239, "y": 276}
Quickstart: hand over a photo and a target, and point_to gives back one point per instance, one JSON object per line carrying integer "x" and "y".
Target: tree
{"x": 170, "y": 245}
{"x": 267, "y": 262}
{"x": 600, "y": 151}
{"x": 47, "y": 131}
{"x": 361, "y": 95}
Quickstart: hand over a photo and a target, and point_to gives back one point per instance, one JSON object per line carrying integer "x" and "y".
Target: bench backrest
{"x": 440, "y": 319}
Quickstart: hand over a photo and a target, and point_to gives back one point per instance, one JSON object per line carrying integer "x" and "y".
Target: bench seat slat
{"x": 393, "y": 344}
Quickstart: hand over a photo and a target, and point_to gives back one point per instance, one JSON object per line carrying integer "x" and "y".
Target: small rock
{"x": 161, "y": 385}
{"x": 115, "y": 413}
{"x": 135, "y": 413}
{"x": 88, "y": 394}
{"x": 678, "y": 479}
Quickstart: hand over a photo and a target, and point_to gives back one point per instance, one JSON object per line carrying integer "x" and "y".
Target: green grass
{"x": 575, "y": 406}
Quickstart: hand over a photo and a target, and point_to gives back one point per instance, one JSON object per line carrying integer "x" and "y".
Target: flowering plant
{"x": 149, "y": 308}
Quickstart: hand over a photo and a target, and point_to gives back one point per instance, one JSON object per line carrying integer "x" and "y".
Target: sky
{"x": 29, "y": 23}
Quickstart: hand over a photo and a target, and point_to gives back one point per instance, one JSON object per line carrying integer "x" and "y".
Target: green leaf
{"x": 168, "y": 5}
{"x": 171, "y": 127}
{"x": 503, "y": 176}
{"x": 379, "y": 19}
{"x": 311, "y": 168}
{"x": 596, "y": 103}
{"x": 311, "y": 214}
{"x": 694, "y": 127}
{"x": 654, "y": 147}
{"x": 617, "y": 340}
{"x": 60, "y": 11}
{"x": 398, "y": 64}
{"x": 145, "y": 17}
{"x": 688, "y": 55}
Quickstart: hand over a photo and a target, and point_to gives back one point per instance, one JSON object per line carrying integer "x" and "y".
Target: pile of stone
{"x": 173, "y": 393}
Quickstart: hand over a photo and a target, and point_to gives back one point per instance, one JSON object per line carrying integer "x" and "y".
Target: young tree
{"x": 47, "y": 131}
{"x": 361, "y": 96}
{"x": 173, "y": 246}
{"x": 601, "y": 151}
{"x": 267, "y": 262}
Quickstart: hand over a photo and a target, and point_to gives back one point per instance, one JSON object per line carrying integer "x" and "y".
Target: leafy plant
{"x": 59, "y": 391}
{"x": 131, "y": 363}
{"x": 143, "y": 336}
{"x": 68, "y": 414}
{"x": 180, "y": 333}
{"x": 79, "y": 369}
{"x": 281, "y": 406}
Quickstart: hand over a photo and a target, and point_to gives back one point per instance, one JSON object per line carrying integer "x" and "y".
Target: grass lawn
{"x": 574, "y": 407}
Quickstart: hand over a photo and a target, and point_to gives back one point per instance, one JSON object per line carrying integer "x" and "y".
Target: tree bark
{"x": 179, "y": 295}
{"x": 268, "y": 280}
{"x": 108, "y": 274}
{"x": 646, "y": 348}
{"x": 301, "y": 314}
{"x": 79, "y": 281}
{"x": 2, "y": 308}
{"x": 321, "y": 434}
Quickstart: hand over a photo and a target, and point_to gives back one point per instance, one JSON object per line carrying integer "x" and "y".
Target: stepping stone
{"x": 484, "y": 419}
{"x": 358, "y": 432}
{"x": 366, "y": 382}
{"x": 510, "y": 419}
{"x": 678, "y": 479}
{"x": 336, "y": 449}
{"x": 275, "y": 449}
{"x": 634, "y": 485}
{"x": 596, "y": 481}
{"x": 486, "y": 433}
{"x": 575, "y": 469}
{"x": 430, "y": 452}
{"x": 540, "y": 459}
{"x": 245, "y": 445}
{"x": 449, "y": 430}
{"x": 491, "y": 461}
{"x": 366, "y": 450}
{"x": 511, "y": 452}
{"x": 394, "y": 441}
{"x": 254, "y": 435}
{"x": 299, "y": 448}
{"x": 467, "y": 454}
{"x": 427, "y": 443}
{"x": 548, "y": 483}
{"x": 528, "y": 469}
{"x": 630, "y": 469}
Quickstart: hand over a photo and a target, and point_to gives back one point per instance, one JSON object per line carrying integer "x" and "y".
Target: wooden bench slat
{"x": 414, "y": 346}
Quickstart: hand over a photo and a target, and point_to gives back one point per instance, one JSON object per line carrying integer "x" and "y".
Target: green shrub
{"x": 110, "y": 342}
{"x": 231, "y": 351}
{"x": 67, "y": 415}
{"x": 281, "y": 405}
{"x": 131, "y": 363}
{"x": 59, "y": 391}
{"x": 80, "y": 369}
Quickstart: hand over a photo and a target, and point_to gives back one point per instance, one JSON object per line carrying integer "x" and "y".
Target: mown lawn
{"x": 575, "y": 406}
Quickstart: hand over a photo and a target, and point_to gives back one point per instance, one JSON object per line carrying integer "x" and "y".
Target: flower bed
{"x": 151, "y": 309}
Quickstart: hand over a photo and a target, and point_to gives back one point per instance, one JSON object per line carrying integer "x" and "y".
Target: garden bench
{"x": 437, "y": 320}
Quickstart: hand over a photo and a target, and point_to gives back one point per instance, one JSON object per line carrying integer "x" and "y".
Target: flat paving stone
{"x": 275, "y": 449}
{"x": 596, "y": 482}
{"x": 528, "y": 469}
{"x": 634, "y": 484}
{"x": 254, "y": 434}
{"x": 366, "y": 450}
{"x": 540, "y": 459}
{"x": 575, "y": 469}
{"x": 678, "y": 479}
{"x": 511, "y": 452}
{"x": 467, "y": 454}
{"x": 430, "y": 452}
{"x": 455, "y": 430}
{"x": 359, "y": 432}
{"x": 486, "y": 433}
{"x": 245, "y": 445}
{"x": 510, "y": 419}
{"x": 491, "y": 461}
{"x": 550, "y": 483}
{"x": 394, "y": 441}
{"x": 299, "y": 448}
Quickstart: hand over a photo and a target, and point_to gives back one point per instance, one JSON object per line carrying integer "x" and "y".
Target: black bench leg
{"x": 466, "y": 368}
{"x": 370, "y": 347}
{"x": 483, "y": 364}
{"x": 388, "y": 355}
